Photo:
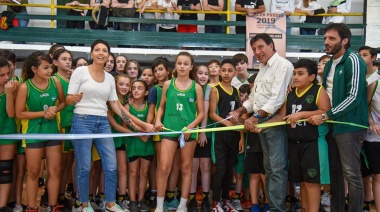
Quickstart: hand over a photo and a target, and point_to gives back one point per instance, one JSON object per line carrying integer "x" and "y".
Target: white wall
{"x": 373, "y": 24}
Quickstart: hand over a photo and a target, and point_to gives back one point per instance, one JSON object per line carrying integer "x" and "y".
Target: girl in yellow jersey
{"x": 38, "y": 101}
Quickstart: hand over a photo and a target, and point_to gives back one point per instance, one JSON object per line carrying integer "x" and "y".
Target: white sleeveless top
{"x": 375, "y": 112}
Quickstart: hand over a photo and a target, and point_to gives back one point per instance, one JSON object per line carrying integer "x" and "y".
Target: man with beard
{"x": 345, "y": 81}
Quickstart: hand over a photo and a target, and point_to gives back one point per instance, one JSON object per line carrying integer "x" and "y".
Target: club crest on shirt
{"x": 309, "y": 98}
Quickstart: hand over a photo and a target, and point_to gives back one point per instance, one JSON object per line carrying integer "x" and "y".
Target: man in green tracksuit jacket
{"x": 345, "y": 82}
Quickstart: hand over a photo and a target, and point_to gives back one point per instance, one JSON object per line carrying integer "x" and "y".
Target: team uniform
{"x": 308, "y": 153}
{"x": 20, "y": 148}
{"x": 180, "y": 109}
{"x": 372, "y": 141}
{"x": 236, "y": 82}
{"x": 119, "y": 141}
{"x": 154, "y": 97}
{"x": 7, "y": 124}
{"x": 65, "y": 115}
{"x": 225, "y": 145}
{"x": 253, "y": 161}
{"x": 136, "y": 148}
{"x": 40, "y": 100}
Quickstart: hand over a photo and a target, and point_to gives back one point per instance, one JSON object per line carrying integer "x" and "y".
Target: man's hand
{"x": 250, "y": 123}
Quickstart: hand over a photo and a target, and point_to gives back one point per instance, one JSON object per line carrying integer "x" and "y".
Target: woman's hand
{"x": 202, "y": 140}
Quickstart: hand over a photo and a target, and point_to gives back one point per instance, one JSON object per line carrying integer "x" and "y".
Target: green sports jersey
{"x": 119, "y": 140}
{"x": 65, "y": 115}
{"x": 135, "y": 146}
{"x": 180, "y": 108}
{"x": 7, "y": 124}
{"x": 40, "y": 100}
{"x": 158, "y": 102}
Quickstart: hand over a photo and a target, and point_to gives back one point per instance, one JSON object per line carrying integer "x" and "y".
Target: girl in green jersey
{"x": 181, "y": 107}
{"x": 7, "y": 126}
{"x": 38, "y": 101}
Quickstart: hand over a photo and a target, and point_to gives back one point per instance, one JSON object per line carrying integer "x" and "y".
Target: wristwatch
{"x": 257, "y": 115}
{"x": 324, "y": 117}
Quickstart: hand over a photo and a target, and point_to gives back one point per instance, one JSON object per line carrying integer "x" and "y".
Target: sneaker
{"x": 256, "y": 208}
{"x": 76, "y": 207}
{"x": 4, "y": 209}
{"x": 102, "y": 204}
{"x": 193, "y": 205}
{"x": 44, "y": 200}
{"x": 88, "y": 208}
{"x": 142, "y": 206}
{"x": 265, "y": 207}
{"x": 159, "y": 209}
{"x": 182, "y": 208}
{"x": 366, "y": 207}
{"x": 133, "y": 207}
{"x": 228, "y": 206}
{"x": 296, "y": 205}
{"x": 205, "y": 206}
{"x": 153, "y": 200}
{"x": 325, "y": 200}
{"x": 96, "y": 207}
{"x": 65, "y": 203}
{"x": 238, "y": 206}
{"x": 217, "y": 207}
{"x": 114, "y": 208}
{"x": 246, "y": 204}
{"x": 34, "y": 209}
{"x": 173, "y": 205}
{"x": 124, "y": 205}
{"x": 54, "y": 208}
{"x": 17, "y": 208}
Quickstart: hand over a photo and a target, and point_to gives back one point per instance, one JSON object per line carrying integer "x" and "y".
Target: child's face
{"x": 214, "y": 69}
{"x": 120, "y": 63}
{"x": 148, "y": 77}
{"x": 138, "y": 90}
{"x": 241, "y": 67}
{"x": 227, "y": 72}
{"x": 301, "y": 78}
{"x": 81, "y": 62}
{"x": 110, "y": 64}
{"x": 12, "y": 66}
{"x": 243, "y": 97}
{"x": 321, "y": 66}
{"x": 132, "y": 70}
{"x": 43, "y": 71}
{"x": 4, "y": 75}
{"x": 183, "y": 65}
{"x": 64, "y": 62}
{"x": 202, "y": 75}
{"x": 366, "y": 56}
{"x": 123, "y": 85}
{"x": 161, "y": 73}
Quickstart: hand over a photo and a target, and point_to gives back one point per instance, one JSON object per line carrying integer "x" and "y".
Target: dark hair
{"x": 102, "y": 42}
{"x": 162, "y": 61}
{"x": 252, "y": 78}
{"x": 33, "y": 60}
{"x": 213, "y": 61}
{"x": 265, "y": 37}
{"x": 3, "y": 62}
{"x": 139, "y": 71}
{"x": 8, "y": 55}
{"x": 75, "y": 62}
{"x": 145, "y": 85}
{"x": 245, "y": 89}
{"x": 310, "y": 66}
{"x": 371, "y": 50}
{"x": 193, "y": 72}
{"x": 229, "y": 61}
{"x": 240, "y": 57}
{"x": 343, "y": 31}
{"x": 54, "y": 48}
{"x": 120, "y": 55}
{"x": 324, "y": 57}
{"x": 57, "y": 54}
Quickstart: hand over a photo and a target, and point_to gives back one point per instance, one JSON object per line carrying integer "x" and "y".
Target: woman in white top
{"x": 308, "y": 7}
{"x": 90, "y": 89}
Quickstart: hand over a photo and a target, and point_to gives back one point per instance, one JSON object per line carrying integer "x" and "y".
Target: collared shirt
{"x": 281, "y": 6}
{"x": 272, "y": 81}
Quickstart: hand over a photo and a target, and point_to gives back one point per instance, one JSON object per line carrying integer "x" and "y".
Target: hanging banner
{"x": 273, "y": 24}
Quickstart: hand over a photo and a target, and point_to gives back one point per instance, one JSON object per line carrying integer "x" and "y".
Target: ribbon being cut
{"x": 167, "y": 131}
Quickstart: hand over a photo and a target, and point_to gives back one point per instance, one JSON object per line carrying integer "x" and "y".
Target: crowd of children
{"x": 108, "y": 94}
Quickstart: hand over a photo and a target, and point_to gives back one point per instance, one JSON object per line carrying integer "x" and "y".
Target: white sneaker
{"x": 17, "y": 208}
{"x": 124, "y": 205}
{"x": 325, "y": 200}
{"x": 237, "y": 205}
{"x": 114, "y": 208}
{"x": 181, "y": 208}
{"x": 88, "y": 208}
{"x": 159, "y": 209}
{"x": 74, "y": 209}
